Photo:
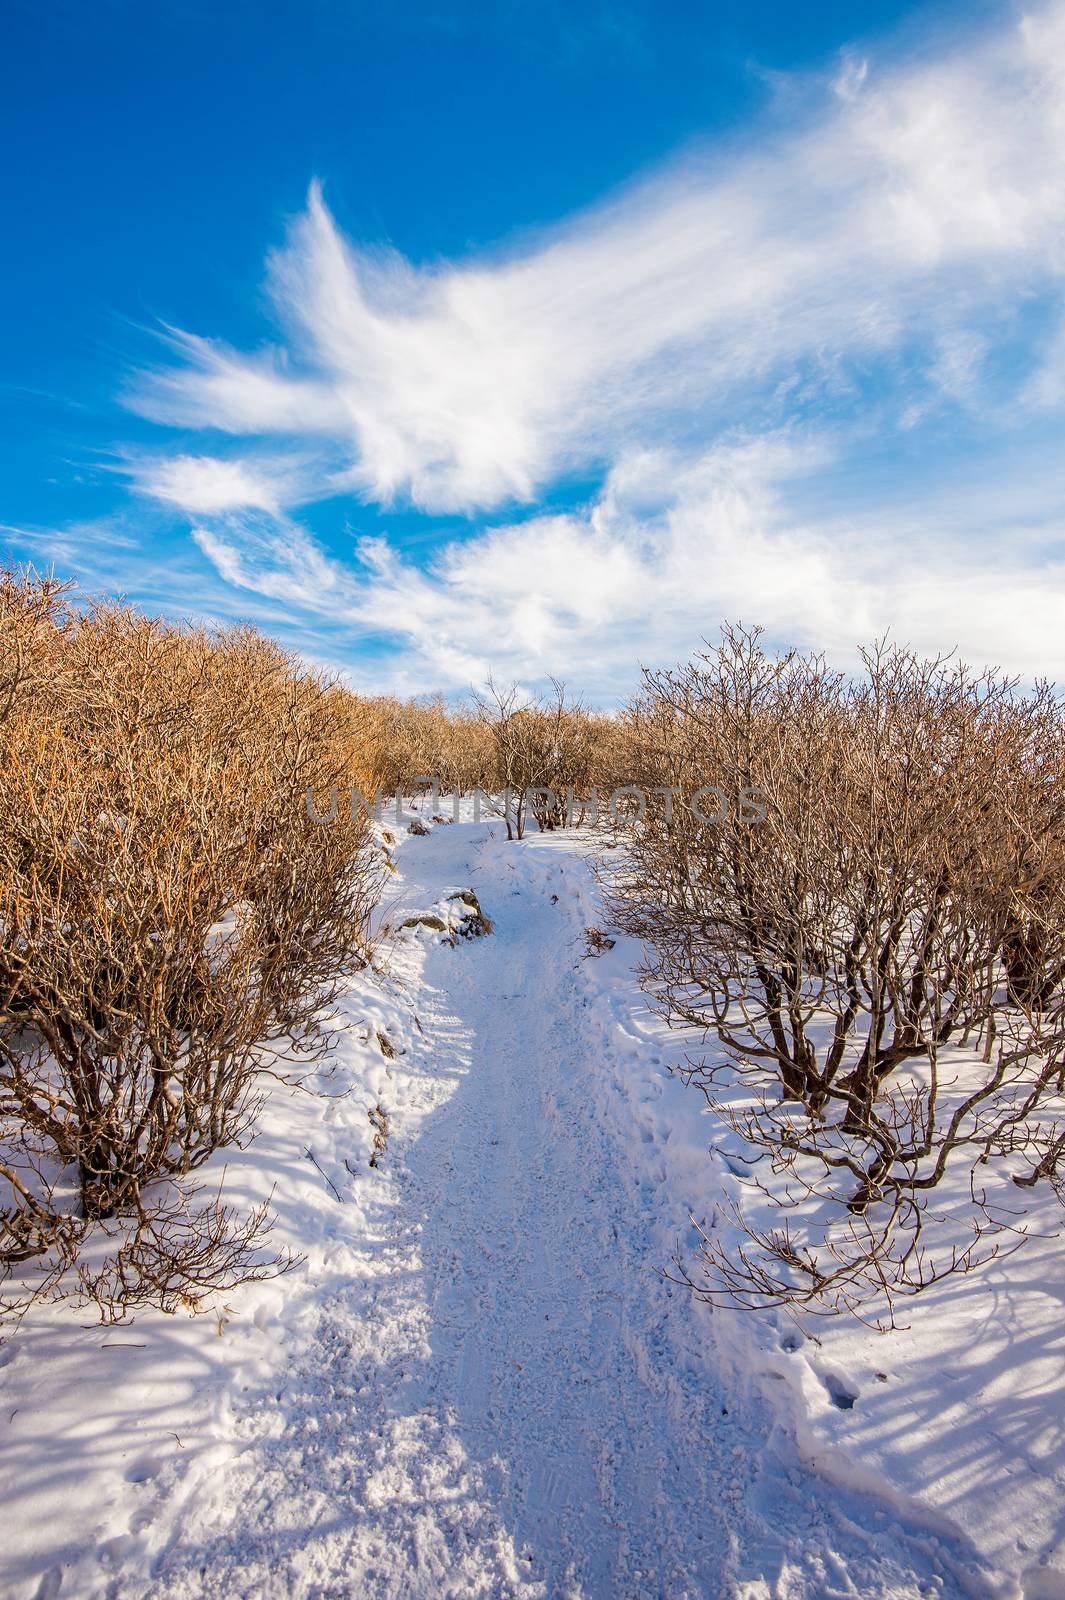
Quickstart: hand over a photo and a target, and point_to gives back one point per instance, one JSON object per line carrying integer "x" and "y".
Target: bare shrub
{"x": 545, "y": 754}
{"x": 462, "y": 745}
{"x": 176, "y": 1256}
{"x": 167, "y": 908}
{"x": 432, "y": 739}
{"x": 510, "y": 724}
{"x": 31, "y": 614}
{"x": 845, "y": 930}
{"x": 132, "y": 1044}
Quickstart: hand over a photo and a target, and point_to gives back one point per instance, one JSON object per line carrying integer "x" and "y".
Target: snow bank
{"x": 957, "y": 1419}
{"x": 109, "y": 1433}
{"x": 119, "y": 1441}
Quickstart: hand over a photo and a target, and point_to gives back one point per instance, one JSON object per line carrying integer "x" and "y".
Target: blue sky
{"x": 447, "y": 340}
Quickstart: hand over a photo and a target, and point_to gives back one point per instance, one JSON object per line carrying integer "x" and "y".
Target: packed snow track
{"x": 498, "y": 1392}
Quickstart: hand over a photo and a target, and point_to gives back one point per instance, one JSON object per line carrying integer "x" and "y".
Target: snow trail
{"x": 506, "y": 1398}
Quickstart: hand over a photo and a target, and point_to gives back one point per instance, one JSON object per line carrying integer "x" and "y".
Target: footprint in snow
{"x": 841, "y": 1393}
{"x": 143, "y": 1470}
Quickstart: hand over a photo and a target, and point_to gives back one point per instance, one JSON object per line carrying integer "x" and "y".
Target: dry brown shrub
{"x": 431, "y": 739}
{"x": 545, "y": 755}
{"x": 167, "y": 908}
{"x": 872, "y": 922}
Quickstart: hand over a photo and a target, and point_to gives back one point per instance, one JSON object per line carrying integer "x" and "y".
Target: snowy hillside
{"x": 479, "y": 1382}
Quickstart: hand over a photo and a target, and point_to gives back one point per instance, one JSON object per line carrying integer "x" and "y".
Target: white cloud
{"x": 921, "y": 198}
{"x": 867, "y": 269}
{"x": 206, "y": 484}
{"x": 852, "y": 74}
{"x": 664, "y": 553}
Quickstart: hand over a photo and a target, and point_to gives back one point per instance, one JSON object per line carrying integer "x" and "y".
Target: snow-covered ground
{"x": 479, "y": 1382}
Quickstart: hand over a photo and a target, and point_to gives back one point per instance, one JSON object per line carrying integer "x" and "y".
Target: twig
{"x": 312, "y": 1157}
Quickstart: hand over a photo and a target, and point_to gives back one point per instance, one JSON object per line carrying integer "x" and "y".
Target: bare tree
{"x": 511, "y": 722}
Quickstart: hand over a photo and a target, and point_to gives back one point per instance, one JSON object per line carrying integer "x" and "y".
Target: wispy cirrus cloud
{"x": 664, "y": 552}
{"x": 210, "y": 484}
{"x": 910, "y": 207}
{"x": 701, "y": 342}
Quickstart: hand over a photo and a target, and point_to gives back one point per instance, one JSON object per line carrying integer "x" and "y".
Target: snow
{"x": 480, "y": 1382}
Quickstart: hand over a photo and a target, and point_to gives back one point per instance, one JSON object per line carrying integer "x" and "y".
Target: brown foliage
{"x": 544, "y": 755}
{"x": 167, "y": 905}
{"x": 429, "y": 739}
{"x": 887, "y": 882}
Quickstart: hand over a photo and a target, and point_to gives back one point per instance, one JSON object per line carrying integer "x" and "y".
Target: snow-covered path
{"x": 503, "y": 1396}
{"x": 546, "y": 1315}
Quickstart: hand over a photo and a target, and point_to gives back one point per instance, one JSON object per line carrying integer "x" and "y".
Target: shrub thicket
{"x": 430, "y": 739}
{"x": 167, "y": 908}
{"x": 873, "y": 926}
{"x": 857, "y": 884}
